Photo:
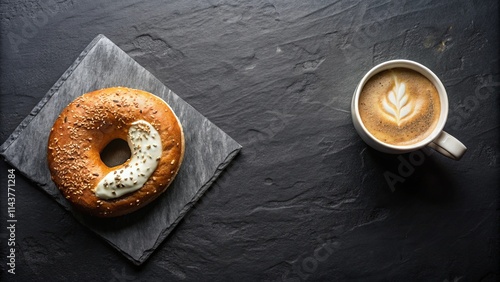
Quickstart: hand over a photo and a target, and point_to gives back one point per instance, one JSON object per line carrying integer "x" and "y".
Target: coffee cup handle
{"x": 448, "y": 146}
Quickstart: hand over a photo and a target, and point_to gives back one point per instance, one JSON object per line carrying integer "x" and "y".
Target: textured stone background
{"x": 305, "y": 199}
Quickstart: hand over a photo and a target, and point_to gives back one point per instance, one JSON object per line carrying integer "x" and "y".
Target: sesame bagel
{"x": 88, "y": 124}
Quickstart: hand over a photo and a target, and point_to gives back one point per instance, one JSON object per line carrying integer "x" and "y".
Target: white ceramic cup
{"x": 439, "y": 140}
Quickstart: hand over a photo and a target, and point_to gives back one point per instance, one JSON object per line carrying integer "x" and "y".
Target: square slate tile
{"x": 208, "y": 149}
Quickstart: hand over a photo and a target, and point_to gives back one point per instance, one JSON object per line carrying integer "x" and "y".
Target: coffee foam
{"x": 399, "y": 106}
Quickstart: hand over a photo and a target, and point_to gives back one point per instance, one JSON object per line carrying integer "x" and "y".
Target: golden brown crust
{"x": 87, "y": 125}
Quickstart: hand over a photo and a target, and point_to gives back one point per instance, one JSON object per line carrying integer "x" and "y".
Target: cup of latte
{"x": 400, "y": 106}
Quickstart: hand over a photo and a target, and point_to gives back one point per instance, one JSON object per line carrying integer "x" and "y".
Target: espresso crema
{"x": 399, "y": 106}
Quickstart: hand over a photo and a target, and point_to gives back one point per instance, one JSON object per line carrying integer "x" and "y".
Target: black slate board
{"x": 208, "y": 149}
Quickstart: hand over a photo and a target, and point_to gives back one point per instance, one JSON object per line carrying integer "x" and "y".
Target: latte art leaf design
{"x": 396, "y": 102}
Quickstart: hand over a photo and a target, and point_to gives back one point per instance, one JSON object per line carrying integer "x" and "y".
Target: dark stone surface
{"x": 208, "y": 149}
{"x": 305, "y": 199}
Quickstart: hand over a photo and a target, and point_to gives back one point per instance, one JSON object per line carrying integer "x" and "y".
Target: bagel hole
{"x": 115, "y": 153}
